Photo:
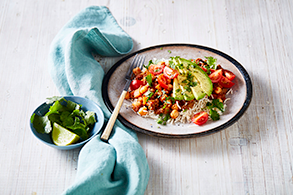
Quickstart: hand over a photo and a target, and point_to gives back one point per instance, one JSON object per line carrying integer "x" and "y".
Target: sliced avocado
{"x": 186, "y": 90}
{"x": 197, "y": 91}
{"x": 177, "y": 92}
{"x": 203, "y": 79}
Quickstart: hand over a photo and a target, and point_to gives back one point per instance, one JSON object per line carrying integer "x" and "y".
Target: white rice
{"x": 186, "y": 115}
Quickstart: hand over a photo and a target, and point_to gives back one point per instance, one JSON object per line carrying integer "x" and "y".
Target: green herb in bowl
{"x": 66, "y": 118}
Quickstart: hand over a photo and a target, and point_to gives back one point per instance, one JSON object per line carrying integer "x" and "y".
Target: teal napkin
{"x": 117, "y": 167}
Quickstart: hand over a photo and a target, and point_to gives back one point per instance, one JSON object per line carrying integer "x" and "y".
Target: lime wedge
{"x": 63, "y": 137}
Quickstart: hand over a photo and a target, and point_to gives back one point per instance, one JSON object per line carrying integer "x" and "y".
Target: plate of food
{"x": 182, "y": 91}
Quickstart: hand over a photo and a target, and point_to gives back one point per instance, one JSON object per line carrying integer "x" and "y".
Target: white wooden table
{"x": 253, "y": 156}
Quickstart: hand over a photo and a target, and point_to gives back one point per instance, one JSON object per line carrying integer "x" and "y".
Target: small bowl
{"x": 86, "y": 105}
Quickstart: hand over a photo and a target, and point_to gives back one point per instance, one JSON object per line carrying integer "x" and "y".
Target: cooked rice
{"x": 186, "y": 115}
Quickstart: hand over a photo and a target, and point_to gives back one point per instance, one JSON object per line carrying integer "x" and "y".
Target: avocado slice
{"x": 203, "y": 79}
{"x": 177, "y": 92}
{"x": 186, "y": 90}
{"x": 197, "y": 91}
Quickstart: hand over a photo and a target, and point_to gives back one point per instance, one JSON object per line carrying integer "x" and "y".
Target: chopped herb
{"x": 149, "y": 79}
{"x": 66, "y": 113}
{"x": 211, "y": 62}
{"x": 163, "y": 119}
{"x": 161, "y": 48}
{"x": 172, "y": 64}
{"x": 169, "y": 51}
{"x": 187, "y": 96}
{"x": 189, "y": 76}
{"x": 192, "y": 84}
{"x": 149, "y": 96}
{"x": 218, "y": 104}
{"x": 170, "y": 98}
{"x": 214, "y": 115}
{"x": 215, "y": 104}
{"x": 187, "y": 88}
{"x": 178, "y": 90}
{"x": 147, "y": 66}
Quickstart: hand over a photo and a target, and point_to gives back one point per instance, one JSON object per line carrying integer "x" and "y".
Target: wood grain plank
{"x": 254, "y": 156}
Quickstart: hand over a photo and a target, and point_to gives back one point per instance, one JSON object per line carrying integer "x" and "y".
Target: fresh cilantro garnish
{"x": 67, "y": 114}
{"x": 169, "y": 51}
{"x": 192, "y": 84}
{"x": 215, "y": 104}
{"x": 171, "y": 98}
{"x": 149, "y": 79}
{"x": 187, "y": 88}
{"x": 218, "y": 104}
{"x": 149, "y": 96}
{"x": 163, "y": 119}
{"x": 147, "y": 66}
{"x": 211, "y": 62}
{"x": 172, "y": 64}
{"x": 214, "y": 115}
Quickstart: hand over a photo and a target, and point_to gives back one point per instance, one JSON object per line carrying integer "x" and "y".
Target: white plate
{"x": 240, "y": 99}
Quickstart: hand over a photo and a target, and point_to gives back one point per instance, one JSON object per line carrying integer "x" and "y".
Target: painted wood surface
{"x": 254, "y": 156}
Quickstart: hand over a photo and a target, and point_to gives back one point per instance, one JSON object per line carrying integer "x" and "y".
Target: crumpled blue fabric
{"x": 119, "y": 166}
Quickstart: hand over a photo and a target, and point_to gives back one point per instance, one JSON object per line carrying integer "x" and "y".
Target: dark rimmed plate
{"x": 114, "y": 81}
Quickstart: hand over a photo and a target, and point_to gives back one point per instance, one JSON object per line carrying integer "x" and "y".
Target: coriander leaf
{"x": 147, "y": 66}
{"x": 149, "y": 96}
{"x": 82, "y": 133}
{"x": 90, "y": 117}
{"x": 55, "y": 108}
{"x": 66, "y": 119}
{"x": 163, "y": 119}
{"x": 149, "y": 79}
{"x": 159, "y": 121}
{"x": 214, "y": 115}
{"x": 211, "y": 62}
{"x": 55, "y": 118}
{"x": 172, "y": 64}
{"x": 77, "y": 124}
{"x": 217, "y": 104}
{"x": 53, "y": 99}
{"x": 171, "y": 98}
{"x": 70, "y": 106}
{"x": 169, "y": 51}
{"x": 42, "y": 124}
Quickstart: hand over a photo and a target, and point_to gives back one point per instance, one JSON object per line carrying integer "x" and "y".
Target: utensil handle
{"x": 106, "y": 134}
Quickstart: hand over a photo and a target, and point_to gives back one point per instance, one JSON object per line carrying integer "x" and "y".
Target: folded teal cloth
{"x": 117, "y": 167}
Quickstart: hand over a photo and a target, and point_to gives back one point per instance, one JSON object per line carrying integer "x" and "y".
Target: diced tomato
{"x": 216, "y": 76}
{"x": 135, "y": 84}
{"x": 212, "y": 70}
{"x": 156, "y": 69}
{"x": 170, "y": 73}
{"x": 200, "y": 118}
{"x": 203, "y": 68}
{"x": 163, "y": 81}
{"x": 224, "y": 82}
{"x": 229, "y": 75}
